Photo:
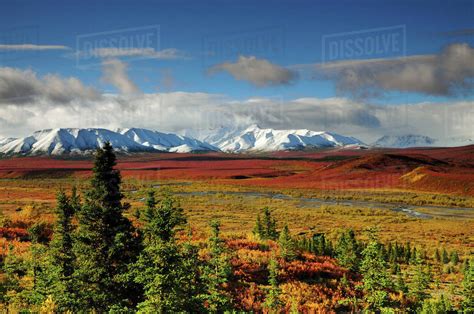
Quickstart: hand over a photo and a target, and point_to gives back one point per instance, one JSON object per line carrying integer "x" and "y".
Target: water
{"x": 304, "y": 202}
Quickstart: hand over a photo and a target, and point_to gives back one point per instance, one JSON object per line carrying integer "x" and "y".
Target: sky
{"x": 360, "y": 68}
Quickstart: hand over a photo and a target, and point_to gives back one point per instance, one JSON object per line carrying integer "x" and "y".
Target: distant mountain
{"x": 404, "y": 141}
{"x": 414, "y": 140}
{"x": 256, "y": 139}
{"x": 455, "y": 141}
{"x": 166, "y": 141}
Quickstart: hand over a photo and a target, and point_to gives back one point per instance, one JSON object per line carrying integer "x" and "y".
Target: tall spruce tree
{"x": 216, "y": 273}
{"x": 167, "y": 270}
{"x": 107, "y": 244}
{"x": 62, "y": 254}
{"x": 376, "y": 280}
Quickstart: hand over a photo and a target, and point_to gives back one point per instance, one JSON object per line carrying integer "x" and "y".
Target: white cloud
{"x": 151, "y": 53}
{"x": 259, "y": 72}
{"x": 115, "y": 73}
{"x": 451, "y": 72}
{"x": 31, "y": 47}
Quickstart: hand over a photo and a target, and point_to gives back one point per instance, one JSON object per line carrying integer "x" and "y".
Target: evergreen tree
{"x": 400, "y": 282}
{"x": 454, "y": 258}
{"x": 107, "y": 244}
{"x": 376, "y": 280}
{"x": 420, "y": 281}
{"x": 347, "y": 250}
{"x": 287, "y": 245}
{"x": 62, "y": 255}
{"x": 272, "y": 301}
{"x": 468, "y": 288}
{"x": 437, "y": 257}
{"x": 258, "y": 229}
{"x": 444, "y": 256}
{"x": 407, "y": 253}
{"x": 216, "y": 273}
{"x": 167, "y": 270}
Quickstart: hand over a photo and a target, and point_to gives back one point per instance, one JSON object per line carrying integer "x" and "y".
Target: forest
{"x": 97, "y": 258}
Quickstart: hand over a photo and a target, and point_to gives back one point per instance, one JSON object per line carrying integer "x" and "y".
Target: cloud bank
{"x": 449, "y": 73}
{"x": 19, "y": 87}
{"x": 178, "y": 111}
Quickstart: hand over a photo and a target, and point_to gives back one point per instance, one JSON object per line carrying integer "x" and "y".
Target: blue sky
{"x": 410, "y": 52}
{"x": 184, "y": 24}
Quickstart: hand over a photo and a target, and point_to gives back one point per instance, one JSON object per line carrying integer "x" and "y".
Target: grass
{"x": 34, "y": 199}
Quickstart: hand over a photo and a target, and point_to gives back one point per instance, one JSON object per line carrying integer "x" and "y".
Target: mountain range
{"x": 251, "y": 139}
{"x": 256, "y": 139}
{"x": 75, "y": 141}
{"x": 415, "y": 140}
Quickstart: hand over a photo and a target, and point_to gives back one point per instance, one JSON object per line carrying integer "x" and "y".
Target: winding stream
{"x": 304, "y": 202}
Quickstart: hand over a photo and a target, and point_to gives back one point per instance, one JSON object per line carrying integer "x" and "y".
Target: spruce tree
{"x": 287, "y": 245}
{"x": 420, "y": 281}
{"x": 347, "y": 250}
{"x": 107, "y": 244}
{"x": 454, "y": 258}
{"x": 216, "y": 273}
{"x": 468, "y": 288}
{"x": 272, "y": 300}
{"x": 269, "y": 225}
{"x": 407, "y": 253}
{"x": 437, "y": 257}
{"x": 167, "y": 270}
{"x": 376, "y": 280}
{"x": 258, "y": 230}
{"x": 444, "y": 256}
{"x": 400, "y": 282}
{"x": 62, "y": 254}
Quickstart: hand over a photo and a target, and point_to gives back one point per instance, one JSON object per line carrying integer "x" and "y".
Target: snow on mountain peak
{"x": 254, "y": 138}
{"x": 404, "y": 141}
{"x": 166, "y": 141}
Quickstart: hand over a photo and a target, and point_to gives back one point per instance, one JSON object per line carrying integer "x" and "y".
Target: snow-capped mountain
{"x": 6, "y": 140}
{"x": 166, "y": 141}
{"x": 256, "y": 139}
{"x": 69, "y": 141}
{"x": 455, "y": 141}
{"x": 404, "y": 141}
{"x": 414, "y": 140}
{"x": 85, "y": 141}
